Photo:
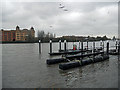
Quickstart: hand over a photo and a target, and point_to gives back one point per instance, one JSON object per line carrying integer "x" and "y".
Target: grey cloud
{"x": 95, "y": 19}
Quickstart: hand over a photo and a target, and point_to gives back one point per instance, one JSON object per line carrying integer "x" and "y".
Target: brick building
{"x": 17, "y": 35}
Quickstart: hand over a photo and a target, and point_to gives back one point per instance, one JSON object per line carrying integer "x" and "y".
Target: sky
{"x": 81, "y": 19}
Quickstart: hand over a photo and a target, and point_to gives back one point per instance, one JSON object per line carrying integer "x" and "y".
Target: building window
{"x": 5, "y": 33}
{"x": 13, "y": 34}
{"x": 5, "y": 38}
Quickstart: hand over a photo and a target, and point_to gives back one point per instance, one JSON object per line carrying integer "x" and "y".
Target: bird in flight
{"x": 65, "y": 10}
{"x": 61, "y": 6}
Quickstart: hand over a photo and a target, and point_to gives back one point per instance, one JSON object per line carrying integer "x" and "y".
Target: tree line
{"x": 41, "y": 35}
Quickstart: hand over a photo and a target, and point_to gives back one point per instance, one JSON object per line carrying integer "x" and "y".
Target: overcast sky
{"x": 88, "y": 18}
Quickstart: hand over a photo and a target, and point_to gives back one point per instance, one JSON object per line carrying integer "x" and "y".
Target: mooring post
{"x": 79, "y": 45}
{"x": 65, "y": 45}
{"x": 87, "y": 45}
{"x": 93, "y": 46}
{"x": 50, "y": 46}
{"x": 100, "y": 43}
{"x": 118, "y": 48}
{"x": 93, "y": 50}
{"x": 103, "y": 45}
{"x": 39, "y": 46}
{"x": 82, "y": 49}
{"x": 107, "y": 48}
{"x": 59, "y": 45}
{"x": 116, "y": 44}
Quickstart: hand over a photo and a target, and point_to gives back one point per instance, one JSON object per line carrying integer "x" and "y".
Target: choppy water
{"x": 24, "y": 67}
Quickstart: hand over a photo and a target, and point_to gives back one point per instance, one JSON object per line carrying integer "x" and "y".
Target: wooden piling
{"x": 116, "y": 45}
{"x": 93, "y": 49}
{"x": 65, "y": 45}
{"x": 39, "y": 46}
{"x": 50, "y": 46}
{"x": 100, "y": 43}
{"x": 103, "y": 45}
{"x": 82, "y": 48}
{"x": 87, "y": 45}
{"x": 59, "y": 45}
{"x": 107, "y": 48}
{"x": 93, "y": 46}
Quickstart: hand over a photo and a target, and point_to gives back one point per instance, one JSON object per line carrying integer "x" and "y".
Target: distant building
{"x": 7, "y": 35}
{"x": 73, "y": 38}
{"x": 17, "y": 35}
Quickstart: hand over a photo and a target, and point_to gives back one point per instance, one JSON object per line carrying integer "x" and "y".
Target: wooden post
{"x": 103, "y": 45}
{"x": 65, "y": 45}
{"x": 119, "y": 48}
{"x": 87, "y": 45}
{"x": 93, "y": 46}
{"x": 82, "y": 49}
{"x": 107, "y": 48}
{"x": 82, "y": 46}
{"x": 59, "y": 45}
{"x": 93, "y": 50}
{"x": 39, "y": 46}
{"x": 100, "y": 43}
{"x": 116, "y": 44}
{"x": 50, "y": 46}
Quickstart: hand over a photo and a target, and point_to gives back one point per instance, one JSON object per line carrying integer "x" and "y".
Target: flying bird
{"x": 61, "y": 6}
{"x": 65, "y": 10}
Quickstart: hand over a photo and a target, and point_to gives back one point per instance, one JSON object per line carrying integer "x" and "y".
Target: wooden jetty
{"x": 83, "y": 55}
{"x": 69, "y": 52}
{"x": 77, "y": 59}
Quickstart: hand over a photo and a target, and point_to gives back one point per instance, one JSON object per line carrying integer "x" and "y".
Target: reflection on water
{"x": 24, "y": 67}
{"x": 92, "y": 70}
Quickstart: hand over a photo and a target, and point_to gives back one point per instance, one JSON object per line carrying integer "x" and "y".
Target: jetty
{"x": 82, "y": 56}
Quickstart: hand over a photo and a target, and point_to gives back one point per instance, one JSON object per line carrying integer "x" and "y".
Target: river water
{"x": 24, "y": 67}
